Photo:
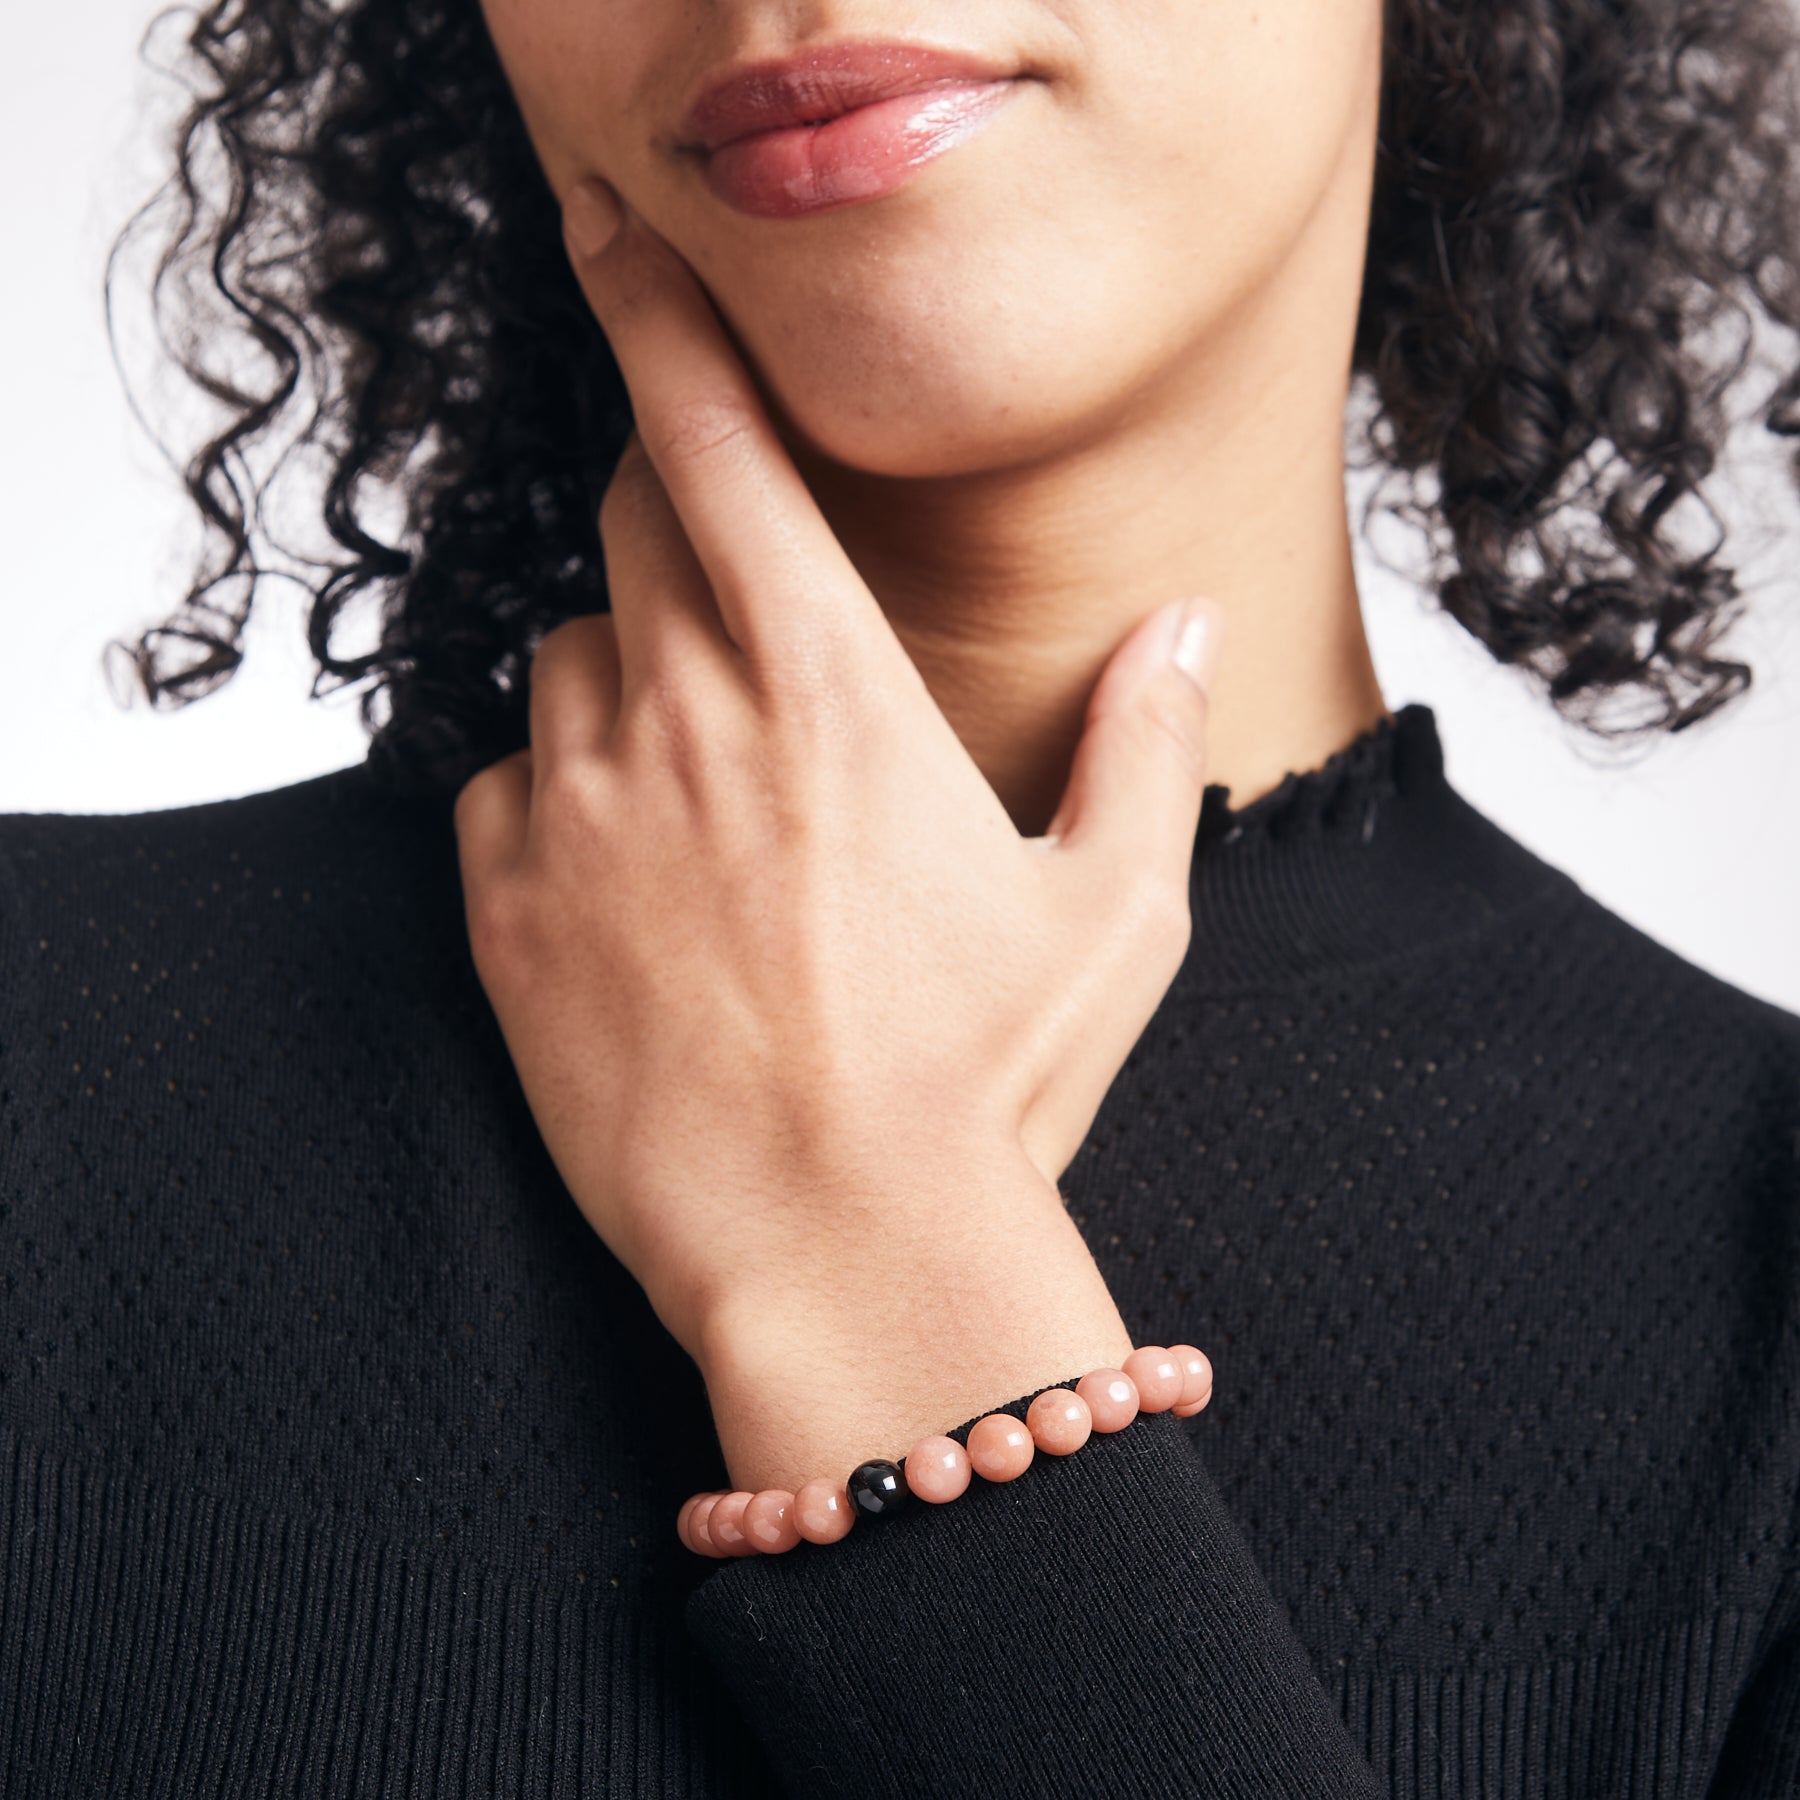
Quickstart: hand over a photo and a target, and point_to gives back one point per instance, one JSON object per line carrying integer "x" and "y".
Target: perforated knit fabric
{"x": 339, "y": 1457}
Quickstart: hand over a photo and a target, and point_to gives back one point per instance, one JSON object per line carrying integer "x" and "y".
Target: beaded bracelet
{"x": 724, "y": 1522}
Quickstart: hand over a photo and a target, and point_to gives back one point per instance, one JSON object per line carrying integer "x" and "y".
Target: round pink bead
{"x": 1059, "y": 1421}
{"x": 681, "y": 1519}
{"x": 725, "y": 1524}
{"x": 769, "y": 1521}
{"x": 1157, "y": 1377}
{"x": 1000, "y": 1448}
{"x": 699, "y": 1524}
{"x": 1112, "y": 1398}
{"x": 1196, "y": 1379}
{"x": 822, "y": 1511}
{"x": 937, "y": 1469}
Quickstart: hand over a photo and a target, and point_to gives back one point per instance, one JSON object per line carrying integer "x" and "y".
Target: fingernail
{"x": 1196, "y": 648}
{"x": 591, "y": 216}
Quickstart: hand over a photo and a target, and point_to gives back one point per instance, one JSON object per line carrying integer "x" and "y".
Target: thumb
{"x": 1135, "y": 787}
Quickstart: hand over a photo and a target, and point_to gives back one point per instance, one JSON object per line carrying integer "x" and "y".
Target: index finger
{"x": 777, "y": 570}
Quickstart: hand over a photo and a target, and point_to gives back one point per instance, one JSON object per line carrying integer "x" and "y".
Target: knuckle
{"x": 499, "y": 924}
{"x": 571, "y": 791}
{"x": 702, "y": 738}
{"x": 706, "y": 428}
{"x": 667, "y": 716}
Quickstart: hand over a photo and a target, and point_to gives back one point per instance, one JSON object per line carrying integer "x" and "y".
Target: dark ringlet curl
{"x": 1576, "y": 202}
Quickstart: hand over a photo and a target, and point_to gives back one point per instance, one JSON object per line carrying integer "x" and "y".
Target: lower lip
{"x": 859, "y": 155}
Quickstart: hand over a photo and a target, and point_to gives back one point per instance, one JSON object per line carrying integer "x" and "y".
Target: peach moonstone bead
{"x": 822, "y": 1511}
{"x": 769, "y": 1521}
{"x": 937, "y": 1469}
{"x": 699, "y": 1536}
{"x": 725, "y": 1525}
{"x": 1156, "y": 1375}
{"x": 1000, "y": 1448}
{"x": 682, "y": 1517}
{"x": 1112, "y": 1398}
{"x": 1196, "y": 1379}
{"x": 1059, "y": 1421}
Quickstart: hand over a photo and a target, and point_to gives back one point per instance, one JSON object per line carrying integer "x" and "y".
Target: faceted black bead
{"x": 878, "y": 1490}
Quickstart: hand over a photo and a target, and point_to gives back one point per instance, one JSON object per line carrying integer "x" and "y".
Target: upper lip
{"x": 819, "y": 83}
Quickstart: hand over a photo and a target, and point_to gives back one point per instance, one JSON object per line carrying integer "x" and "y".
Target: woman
{"x": 808, "y": 876}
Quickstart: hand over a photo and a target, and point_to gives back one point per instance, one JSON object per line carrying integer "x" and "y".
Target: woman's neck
{"x": 1011, "y": 590}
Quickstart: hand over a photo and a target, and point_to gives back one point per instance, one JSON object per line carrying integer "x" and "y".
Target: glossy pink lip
{"x": 859, "y": 155}
{"x": 820, "y": 84}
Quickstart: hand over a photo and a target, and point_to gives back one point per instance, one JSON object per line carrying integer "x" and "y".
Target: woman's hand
{"x": 808, "y": 1028}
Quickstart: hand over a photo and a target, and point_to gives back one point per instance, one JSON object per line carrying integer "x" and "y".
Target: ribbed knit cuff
{"x": 940, "y": 1653}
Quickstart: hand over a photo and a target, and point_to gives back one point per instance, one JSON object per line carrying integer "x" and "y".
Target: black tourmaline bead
{"x": 877, "y": 1489}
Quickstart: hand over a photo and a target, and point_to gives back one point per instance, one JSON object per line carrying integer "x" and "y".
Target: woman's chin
{"x": 905, "y": 444}
{"x": 921, "y": 365}
{"x": 923, "y": 432}
{"x": 919, "y": 418}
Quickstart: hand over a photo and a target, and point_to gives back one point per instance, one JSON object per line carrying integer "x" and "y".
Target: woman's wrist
{"x": 916, "y": 1332}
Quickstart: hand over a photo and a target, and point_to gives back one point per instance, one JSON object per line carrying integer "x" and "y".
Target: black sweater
{"x": 338, "y": 1456}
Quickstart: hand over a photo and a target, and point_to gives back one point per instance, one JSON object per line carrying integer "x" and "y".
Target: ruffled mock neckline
{"x": 1365, "y": 773}
{"x": 1370, "y": 855}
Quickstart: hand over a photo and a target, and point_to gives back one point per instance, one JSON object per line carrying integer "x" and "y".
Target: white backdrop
{"x": 1697, "y": 841}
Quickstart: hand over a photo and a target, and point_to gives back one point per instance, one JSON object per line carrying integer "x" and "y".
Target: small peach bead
{"x": 725, "y": 1524}
{"x": 1112, "y": 1398}
{"x": 681, "y": 1519}
{"x": 1157, "y": 1377}
{"x": 1000, "y": 1448}
{"x": 769, "y": 1521}
{"x": 699, "y": 1524}
{"x": 1059, "y": 1421}
{"x": 937, "y": 1469}
{"x": 1196, "y": 1379}
{"x": 822, "y": 1511}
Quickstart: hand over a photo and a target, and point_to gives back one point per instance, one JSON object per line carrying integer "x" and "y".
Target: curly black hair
{"x": 1576, "y": 203}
